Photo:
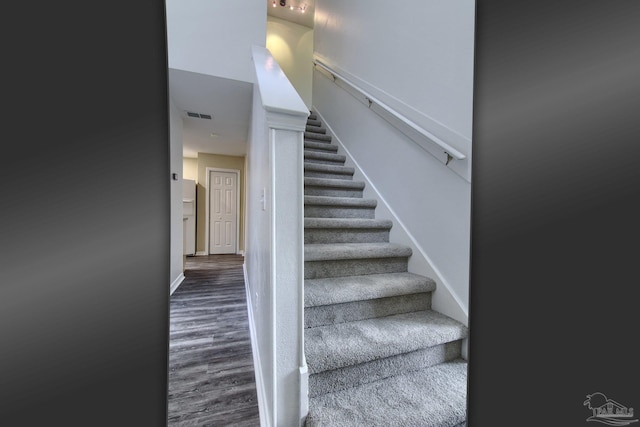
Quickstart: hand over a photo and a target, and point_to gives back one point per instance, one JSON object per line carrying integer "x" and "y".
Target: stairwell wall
{"x": 417, "y": 57}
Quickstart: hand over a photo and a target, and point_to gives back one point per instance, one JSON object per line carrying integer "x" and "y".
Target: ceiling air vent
{"x": 198, "y": 115}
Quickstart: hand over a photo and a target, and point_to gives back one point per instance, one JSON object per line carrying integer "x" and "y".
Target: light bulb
{"x": 291, "y": 7}
{"x": 274, "y": 3}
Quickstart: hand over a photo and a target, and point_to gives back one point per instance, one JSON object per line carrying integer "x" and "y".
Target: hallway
{"x": 211, "y": 376}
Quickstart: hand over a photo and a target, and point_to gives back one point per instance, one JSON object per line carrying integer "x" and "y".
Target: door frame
{"x": 207, "y": 221}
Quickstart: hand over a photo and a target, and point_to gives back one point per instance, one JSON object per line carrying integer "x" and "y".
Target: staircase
{"x": 376, "y": 352}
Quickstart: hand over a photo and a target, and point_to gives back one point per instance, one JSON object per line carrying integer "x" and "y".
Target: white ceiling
{"x": 227, "y": 101}
{"x": 295, "y": 15}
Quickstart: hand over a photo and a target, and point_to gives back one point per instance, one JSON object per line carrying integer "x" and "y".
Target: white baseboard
{"x": 203, "y": 253}
{"x": 303, "y": 371}
{"x": 257, "y": 366}
{"x": 176, "y": 283}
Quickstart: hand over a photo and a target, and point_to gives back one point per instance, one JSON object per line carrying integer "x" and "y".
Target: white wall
{"x": 215, "y": 37}
{"x": 292, "y": 46}
{"x": 416, "y": 56}
{"x": 190, "y": 168}
{"x": 175, "y": 165}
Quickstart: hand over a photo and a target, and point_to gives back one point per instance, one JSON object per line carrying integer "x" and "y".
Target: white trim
{"x": 255, "y": 351}
{"x": 176, "y": 283}
{"x": 304, "y": 391}
{"x": 434, "y": 270}
{"x": 276, "y": 91}
{"x": 201, "y": 253}
{"x": 207, "y": 238}
{"x": 273, "y": 276}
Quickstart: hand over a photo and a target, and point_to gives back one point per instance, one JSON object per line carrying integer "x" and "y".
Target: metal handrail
{"x": 451, "y": 152}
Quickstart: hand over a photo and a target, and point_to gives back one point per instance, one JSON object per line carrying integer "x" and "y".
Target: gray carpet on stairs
{"x": 434, "y": 397}
{"x": 374, "y": 370}
{"x": 376, "y": 352}
{"x": 344, "y": 344}
{"x": 354, "y": 288}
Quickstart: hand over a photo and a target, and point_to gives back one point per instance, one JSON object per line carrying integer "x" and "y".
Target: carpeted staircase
{"x": 377, "y": 354}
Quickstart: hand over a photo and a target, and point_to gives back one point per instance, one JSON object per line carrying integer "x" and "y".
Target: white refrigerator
{"x": 189, "y": 215}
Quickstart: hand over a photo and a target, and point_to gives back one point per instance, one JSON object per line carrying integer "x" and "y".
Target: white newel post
{"x": 286, "y": 116}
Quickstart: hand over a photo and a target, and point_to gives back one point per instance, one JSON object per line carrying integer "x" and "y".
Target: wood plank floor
{"x": 211, "y": 376}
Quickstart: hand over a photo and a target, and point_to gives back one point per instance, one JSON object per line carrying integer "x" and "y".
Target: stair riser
{"x": 364, "y": 373}
{"x": 317, "y": 136}
{"x": 334, "y": 192}
{"x": 353, "y": 267}
{"x": 335, "y": 159}
{"x": 318, "y": 211}
{"x": 324, "y": 161}
{"x": 315, "y": 129}
{"x": 328, "y": 175}
{"x": 320, "y": 148}
{"x": 332, "y": 235}
{"x": 367, "y": 309}
{"x": 314, "y": 122}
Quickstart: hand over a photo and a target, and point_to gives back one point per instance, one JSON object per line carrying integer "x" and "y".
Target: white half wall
{"x": 175, "y": 166}
{"x": 215, "y": 37}
{"x": 274, "y": 256}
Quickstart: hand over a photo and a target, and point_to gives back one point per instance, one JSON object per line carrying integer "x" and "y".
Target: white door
{"x": 223, "y": 199}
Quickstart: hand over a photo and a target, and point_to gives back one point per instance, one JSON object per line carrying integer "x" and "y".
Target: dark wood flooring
{"x": 211, "y": 376}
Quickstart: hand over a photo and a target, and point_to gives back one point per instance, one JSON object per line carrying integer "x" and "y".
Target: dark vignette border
{"x": 85, "y": 214}
{"x": 555, "y": 210}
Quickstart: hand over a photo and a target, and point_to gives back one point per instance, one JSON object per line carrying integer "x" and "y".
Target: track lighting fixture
{"x": 283, "y": 3}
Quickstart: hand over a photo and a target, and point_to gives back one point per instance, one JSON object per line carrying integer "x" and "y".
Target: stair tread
{"x": 337, "y": 251}
{"x": 339, "y": 290}
{"x": 344, "y": 344}
{"x": 335, "y": 183}
{"x": 347, "y": 223}
{"x": 436, "y": 396}
{"x": 340, "y": 201}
